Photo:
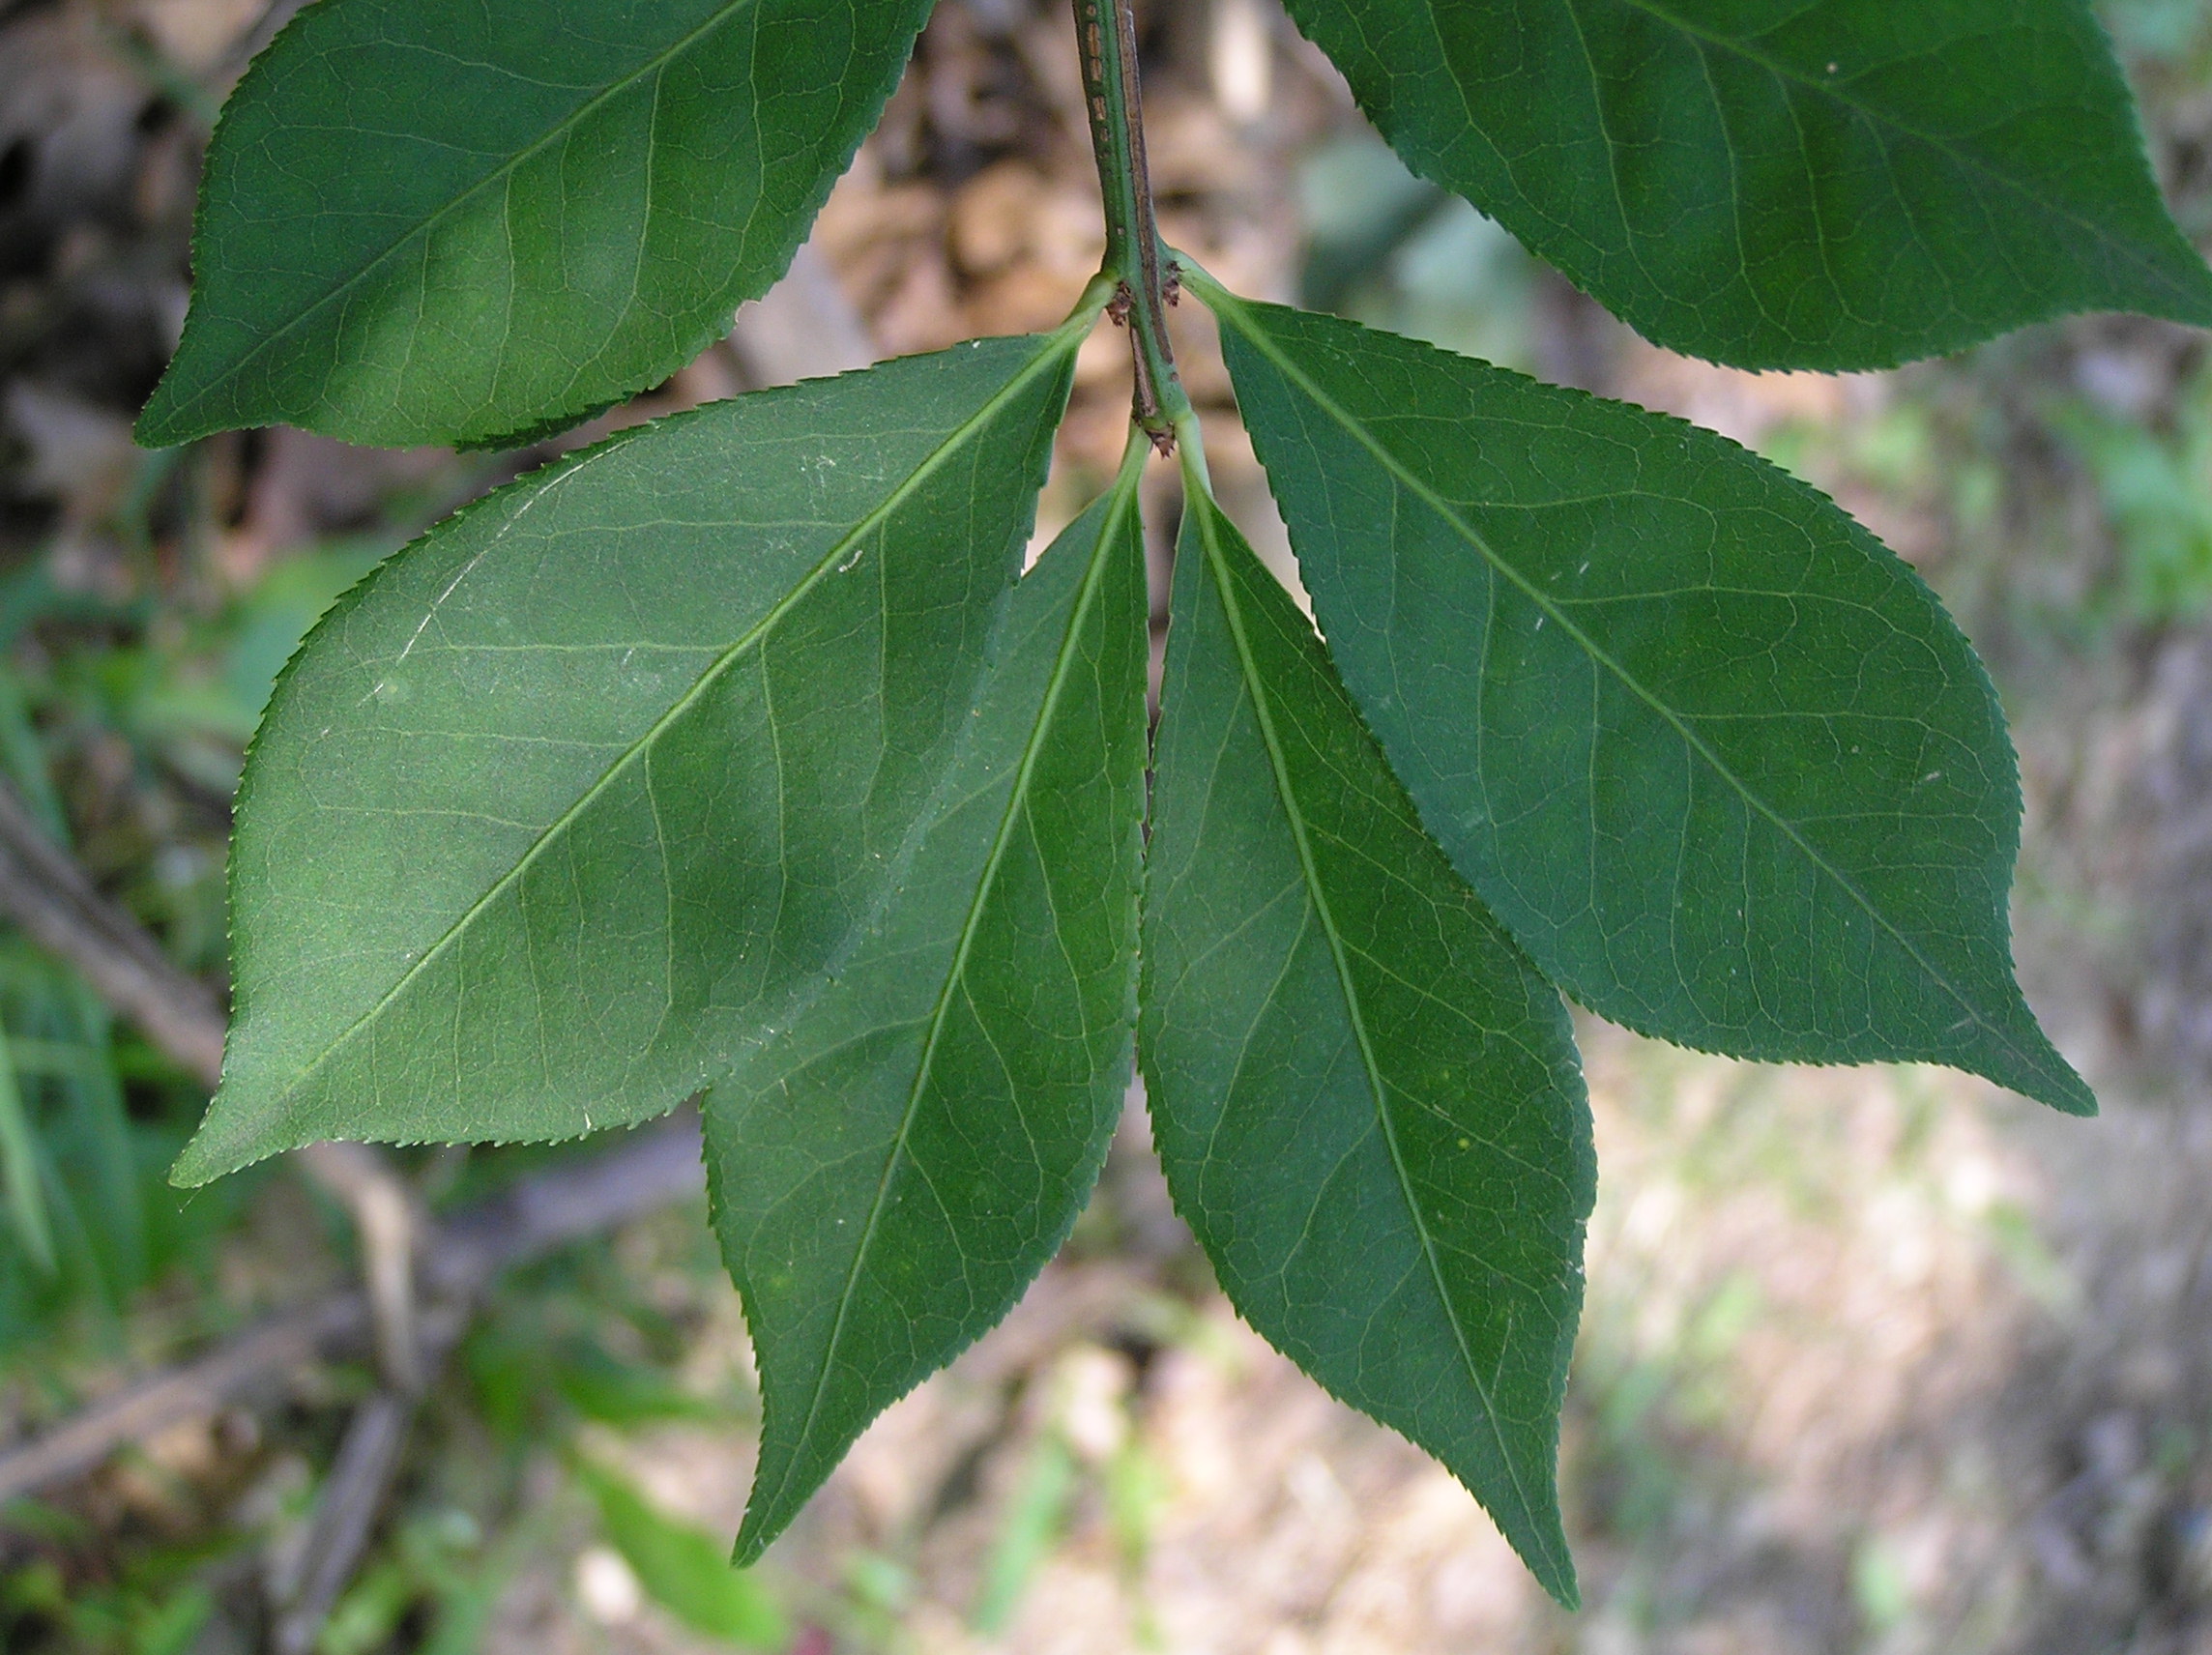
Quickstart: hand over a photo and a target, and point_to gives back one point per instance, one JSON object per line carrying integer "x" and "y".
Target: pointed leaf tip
{"x": 1717, "y": 758}
{"x": 520, "y": 852}
{"x": 200, "y": 1163}
{"x": 891, "y": 1168}
{"x": 1832, "y": 185}
{"x": 1367, "y": 1102}
{"x": 429, "y": 224}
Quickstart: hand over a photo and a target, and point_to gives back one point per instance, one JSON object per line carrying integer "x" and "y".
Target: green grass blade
{"x": 683, "y": 1568}
{"x": 20, "y": 1167}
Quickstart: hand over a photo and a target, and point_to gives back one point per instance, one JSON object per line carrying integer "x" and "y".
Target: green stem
{"x": 1106, "y": 31}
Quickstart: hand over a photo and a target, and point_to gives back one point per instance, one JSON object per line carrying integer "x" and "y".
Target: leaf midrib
{"x": 1255, "y": 686}
{"x": 956, "y": 973}
{"x": 1050, "y": 347}
{"x": 1783, "y": 70}
{"x": 1221, "y": 300}
{"x": 567, "y": 123}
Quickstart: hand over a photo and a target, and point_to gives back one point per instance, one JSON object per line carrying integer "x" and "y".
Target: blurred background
{"x": 1873, "y": 1360}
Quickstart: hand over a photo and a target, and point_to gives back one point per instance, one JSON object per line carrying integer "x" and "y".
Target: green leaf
{"x": 561, "y": 807}
{"x": 1717, "y": 758}
{"x": 1029, "y": 1527}
{"x": 1822, "y": 183}
{"x": 601, "y": 1387}
{"x": 891, "y": 1171}
{"x": 683, "y": 1568}
{"x": 435, "y": 223}
{"x": 19, "y": 1168}
{"x": 1367, "y": 1102}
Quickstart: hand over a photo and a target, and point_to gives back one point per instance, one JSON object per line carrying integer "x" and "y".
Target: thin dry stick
{"x": 43, "y": 890}
{"x": 367, "y": 1462}
{"x": 645, "y": 1170}
{"x": 370, "y": 1454}
{"x": 235, "y": 1371}
{"x": 49, "y": 896}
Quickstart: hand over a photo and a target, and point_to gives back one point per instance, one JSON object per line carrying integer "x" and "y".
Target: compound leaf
{"x": 1366, "y": 1099}
{"x": 560, "y": 809}
{"x": 1822, "y": 183}
{"x": 424, "y": 222}
{"x": 1718, "y": 759}
{"x": 893, "y": 1167}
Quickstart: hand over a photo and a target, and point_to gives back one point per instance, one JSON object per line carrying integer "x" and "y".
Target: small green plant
{"x": 734, "y": 757}
{"x": 2153, "y": 487}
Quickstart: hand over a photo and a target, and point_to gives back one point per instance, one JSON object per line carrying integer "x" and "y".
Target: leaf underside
{"x": 1825, "y": 184}
{"x": 556, "y": 813}
{"x": 730, "y": 758}
{"x": 435, "y": 223}
{"x": 1718, "y": 759}
{"x": 1367, "y": 1102}
{"x": 891, "y": 1169}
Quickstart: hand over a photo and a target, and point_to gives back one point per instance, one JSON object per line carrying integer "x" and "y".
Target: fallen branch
{"x": 425, "y": 1279}
{"x": 645, "y": 1170}
{"x": 460, "y": 1262}
{"x": 327, "y": 1328}
{"x": 345, "y": 1517}
{"x": 43, "y": 890}
{"x": 407, "y": 1258}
